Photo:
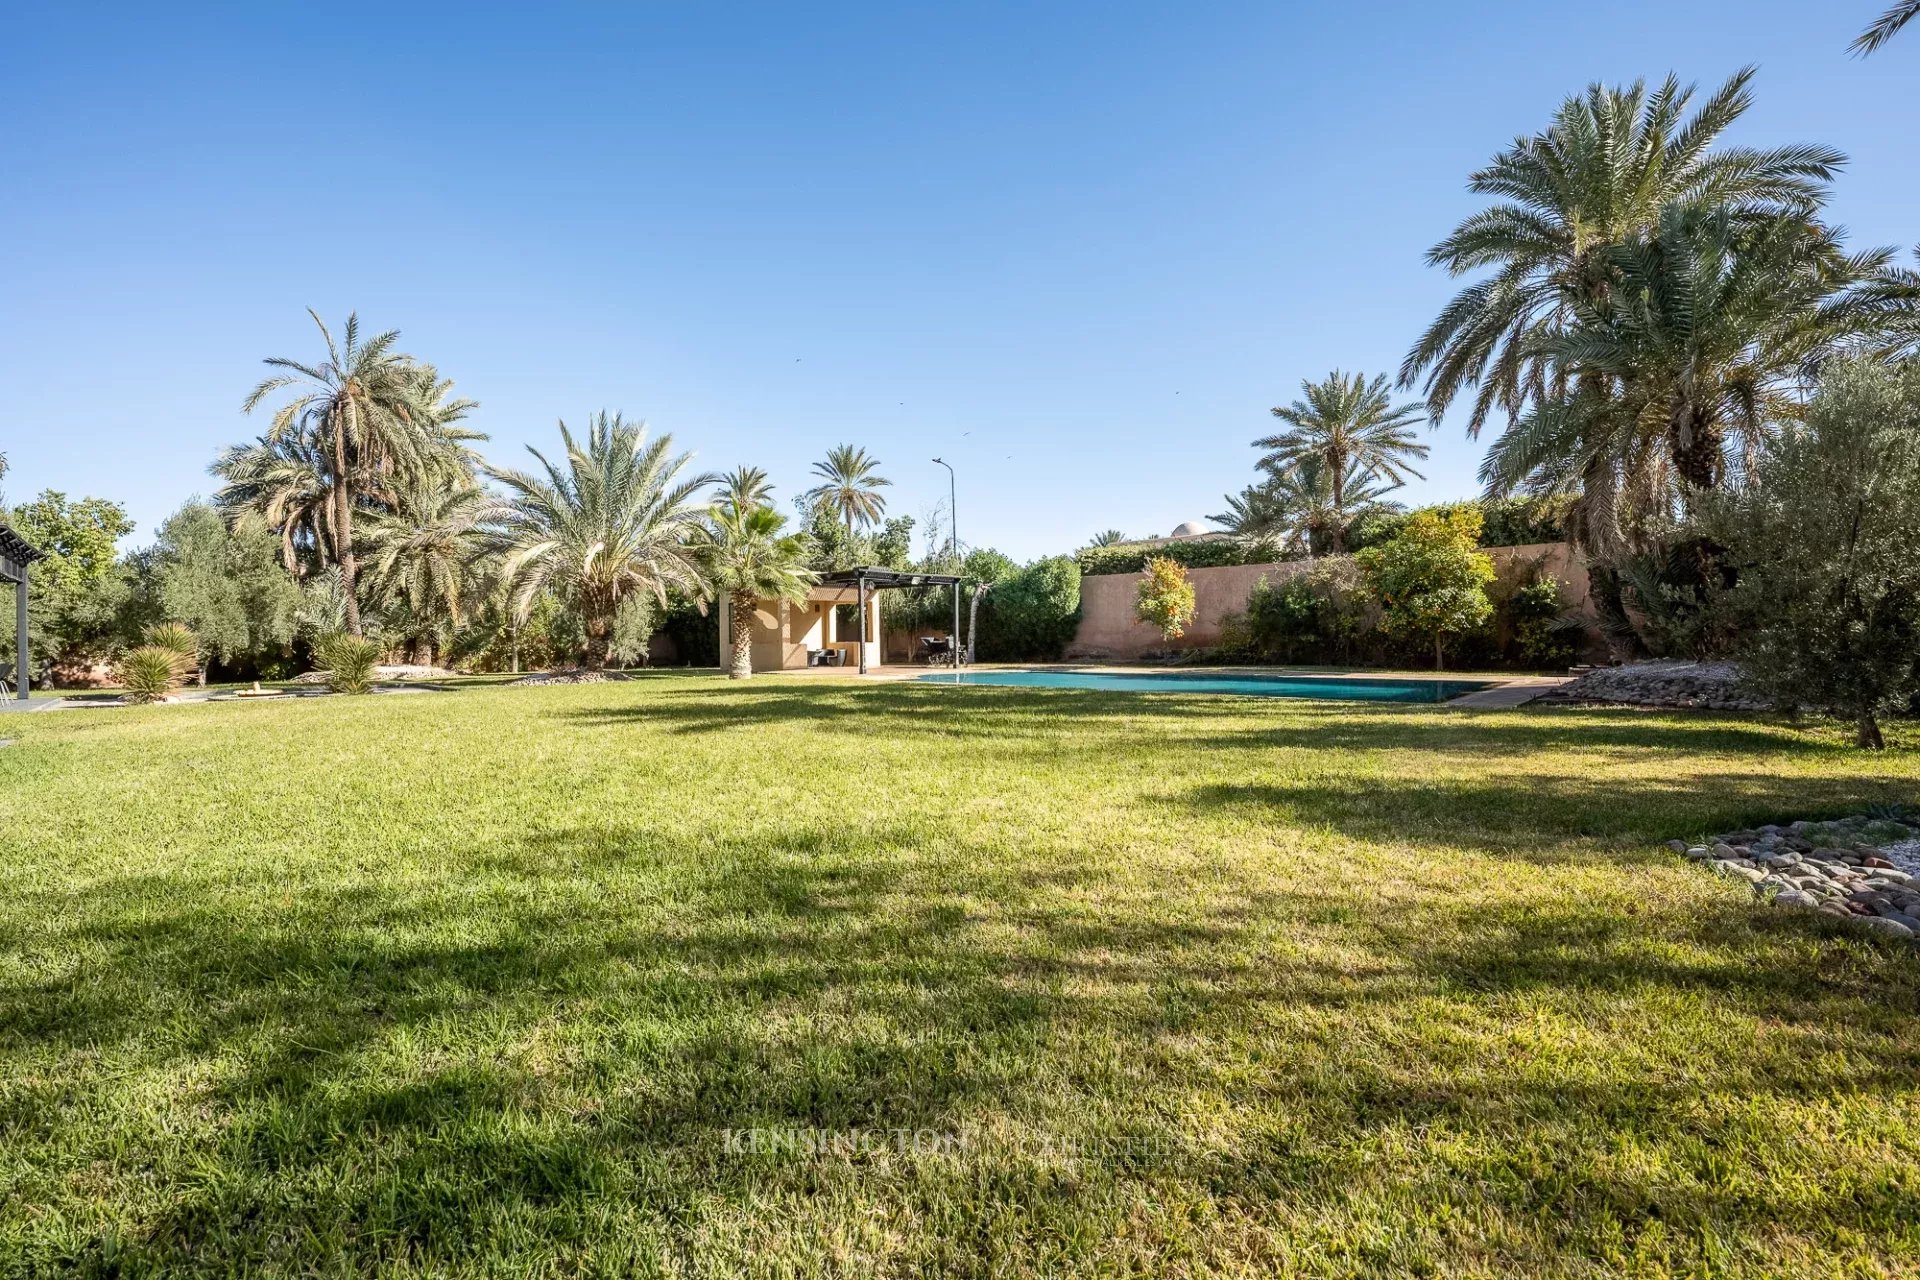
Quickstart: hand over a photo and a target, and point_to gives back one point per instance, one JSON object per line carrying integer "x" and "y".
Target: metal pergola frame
{"x": 867, "y": 578}
{"x": 16, "y": 554}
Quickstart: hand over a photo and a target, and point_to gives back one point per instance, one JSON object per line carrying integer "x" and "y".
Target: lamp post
{"x": 953, "y": 517}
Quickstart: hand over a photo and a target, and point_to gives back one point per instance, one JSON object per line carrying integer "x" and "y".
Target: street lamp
{"x": 953, "y": 514}
{"x": 953, "y": 517}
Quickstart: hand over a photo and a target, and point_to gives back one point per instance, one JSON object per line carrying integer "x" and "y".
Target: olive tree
{"x": 1825, "y": 537}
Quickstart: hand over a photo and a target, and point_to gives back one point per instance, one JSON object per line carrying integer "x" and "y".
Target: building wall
{"x": 1108, "y": 628}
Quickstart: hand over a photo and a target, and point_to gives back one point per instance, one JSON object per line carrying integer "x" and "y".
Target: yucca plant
{"x": 178, "y": 639}
{"x": 348, "y": 662}
{"x": 150, "y": 673}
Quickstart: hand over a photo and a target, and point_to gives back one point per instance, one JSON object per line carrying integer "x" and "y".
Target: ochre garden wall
{"x": 1108, "y": 628}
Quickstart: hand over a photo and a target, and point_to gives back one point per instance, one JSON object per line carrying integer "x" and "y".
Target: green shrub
{"x": 1430, "y": 581}
{"x": 1683, "y": 596}
{"x": 1284, "y": 623}
{"x": 1520, "y": 522}
{"x": 1504, "y": 522}
{"x": 349, "y": 663}
{"x": 1208, "y": 553}
{"x": 1542, "y": 636}
{"x": 1031, "y": 614}
{"x": 150, "y": 673}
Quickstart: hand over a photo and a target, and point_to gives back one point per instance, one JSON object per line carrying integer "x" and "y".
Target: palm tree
{"x": 1886, "y": 28}
{"x": 743, "y": 552}
{"x": 1297, "y": 507}
{"x": 288, "y": 485}
{"x": 425, "y": 556}
{"x": 1712, "y": 330}
{"x": 614, "y": 519}
{"x": 746, "y": 487}
{"x": 362, "y": 406}
{"x": 1350, "y": 428}
{"x": 1609, "y": 165}
{"x": 1107, "y": 538}
{"x": 1605, "y": 170}
{"x": 848, "y": 480}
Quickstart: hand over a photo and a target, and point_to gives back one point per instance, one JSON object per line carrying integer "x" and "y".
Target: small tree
{"x": 226, "y": 584}
{"x": 745, "y": 553}
{"x": 1826, "y": 541}
{"x": 1429, "y": 578}
{"x": 1165, "y": 597}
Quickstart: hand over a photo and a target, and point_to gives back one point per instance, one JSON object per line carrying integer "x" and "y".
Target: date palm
{"x": 360, "y": 405}
{"x": 849, "y": 480}
{"x": 1349, "y": 428}
{"x": 1886, "y": 27}
{"x": 746, "y": 487}
{"x": 613, "y": 517}
{"x": 1107, "y": 538}
{"x": 744, "y": 553}
{"x": 1610, "y": 164}
{"x": 1298, "y": 508}
{"x": 288, "y": 485}
{"x": 424, "y": 555}
{"x": 1715, "y": 325}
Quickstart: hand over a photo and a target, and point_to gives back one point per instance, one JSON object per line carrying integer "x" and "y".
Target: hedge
{"x": 1507, "y": 522}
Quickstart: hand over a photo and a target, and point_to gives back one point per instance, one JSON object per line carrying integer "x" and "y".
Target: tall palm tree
{"x": 743, "y": 552}
{"x": 287, "y": 484}
{"x": 1350, "y": 428}
{"x": 1606, "y": 169}
{"x": 746, "y": 487}
{"x": 613, "y": 518}
{"x": 1107, "y": 538}
{"x": 425, "y": 556}
{"x": 362, "y": 405}
{"x": 1612, "y": 161}
{"x": 848, "y": 483}
{"x": 1886, "y": 27}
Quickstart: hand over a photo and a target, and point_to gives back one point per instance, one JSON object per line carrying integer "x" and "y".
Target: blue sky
{"x": 1076, "y": 249}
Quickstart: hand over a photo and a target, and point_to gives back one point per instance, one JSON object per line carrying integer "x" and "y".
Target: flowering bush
{"x": 1165, "y": 597}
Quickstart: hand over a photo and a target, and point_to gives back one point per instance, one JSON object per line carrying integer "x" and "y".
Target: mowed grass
{"x": 647, "y": 979}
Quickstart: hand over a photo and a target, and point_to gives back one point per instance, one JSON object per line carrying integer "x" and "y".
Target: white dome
{"x": 1191, "y": 529}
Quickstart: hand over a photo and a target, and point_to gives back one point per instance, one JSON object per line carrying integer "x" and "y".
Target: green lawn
{"x": 491, "y": 982}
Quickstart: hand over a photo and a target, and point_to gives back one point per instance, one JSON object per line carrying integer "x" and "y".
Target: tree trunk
{"x": 203, "y": 673}
{"x": 343, "y": 528}
{"x": 741, "y": 611}
{"x": 1437, "y": 665}
{"x": 1603, "y": 587}
{"x": 1696, "y": 450}
{"x": 973, "y": 622}
{"x": 599, "y": 639}
{"x": 1868, "y": 736}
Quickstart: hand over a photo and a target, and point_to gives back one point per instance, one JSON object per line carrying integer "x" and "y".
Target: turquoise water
{"x": 1357, "y": 689}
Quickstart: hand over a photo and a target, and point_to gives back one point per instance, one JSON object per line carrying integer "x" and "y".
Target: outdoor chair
{"x": 936, "y": 650}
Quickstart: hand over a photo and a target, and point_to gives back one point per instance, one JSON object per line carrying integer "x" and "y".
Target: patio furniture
{"x": 936, "y": 650}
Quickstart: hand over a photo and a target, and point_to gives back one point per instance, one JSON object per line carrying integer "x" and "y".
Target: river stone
{"x": 1892, "y": 928}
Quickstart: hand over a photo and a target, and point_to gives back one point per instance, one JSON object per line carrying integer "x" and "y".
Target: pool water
{"x": 1342, "y": 688}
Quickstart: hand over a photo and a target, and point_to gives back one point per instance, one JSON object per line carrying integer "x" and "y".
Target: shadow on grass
{"x": 992, "y": 712}
{"x": 543, "y": 1065}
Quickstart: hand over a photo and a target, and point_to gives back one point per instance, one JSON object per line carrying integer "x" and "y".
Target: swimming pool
{"x": 1340, "y": 688}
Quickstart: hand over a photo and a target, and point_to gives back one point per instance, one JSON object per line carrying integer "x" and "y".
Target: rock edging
{"x": 1863, "y": 869}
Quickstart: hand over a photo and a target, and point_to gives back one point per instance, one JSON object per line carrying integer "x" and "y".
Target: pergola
{"x": 867, "y": 578}
{"x": 16, "y": 553}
